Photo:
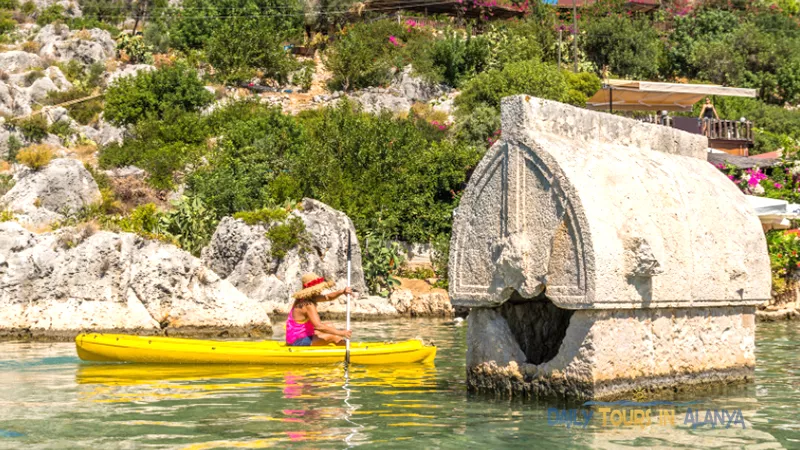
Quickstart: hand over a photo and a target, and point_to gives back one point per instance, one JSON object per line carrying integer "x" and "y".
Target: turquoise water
{"x": 49, "y": 399}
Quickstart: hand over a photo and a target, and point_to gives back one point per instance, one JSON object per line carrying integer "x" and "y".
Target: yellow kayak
{"x": 166, "y": 350}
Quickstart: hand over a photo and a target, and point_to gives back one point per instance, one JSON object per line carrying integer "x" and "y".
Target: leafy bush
{"x": 630, "y": 48}
{"x": 241, "y": 46}
{"x": 6, "y": 183}
{"x": 134, "y": 50}
{"x": 85, "y": 112}
{"x": 14, "y": 145}
{"x": 479, "y": 127}
{"x": 526, "y": 77}
{"x": 262, "y": 216}
{"x": 7, "y": 22}
{"x": 34, "y": 128}
{"x": 35, "y": 156}
{"x": 441, "y": 260}
{"x": 286, "y": 236}
{"x": 452, "y": 59}
{"x": 364, "y": 54}
{"x": 784, "y": 260}
{"x": 190, "y": 224}
{"x": 581, "y": 86}
{"x": 9, "y": 4}
{"x": 304, "y": 76}
{"x": 50, "y": 14}
{"x": 150, "y": 94}
{"x": 62, "y": 129}
{"x": 83, "y": 77}
{"x": 381, "y": 260}
{"x": 6, "y": 215}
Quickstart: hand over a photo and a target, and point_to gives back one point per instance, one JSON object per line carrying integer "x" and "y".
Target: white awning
{"x": 628, "y": 95}
{"x": 774, "y": 213}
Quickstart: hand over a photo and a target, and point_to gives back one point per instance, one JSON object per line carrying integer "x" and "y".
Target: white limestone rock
{"x": 80, "y": 279}
{"x": 415, "y": 88}
{"x": 18, "y": 61}
{"x": 240, "y": 253}
{"x": 62, "y": 187}
{"x": 128, "y": 70}
{"x": 70, "y": 7}
{"x": 103, "y": 133}
{"x": 86, "y": 46}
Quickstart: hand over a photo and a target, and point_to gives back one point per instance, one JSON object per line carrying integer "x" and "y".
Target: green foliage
{"x": 14, "y": 145}
{"x": 364, "y": 54}
{"x": 241, "y": 46}
{"x": 33, "y": 75}
{"x": 783, "y": 251}
{"x": 441, "y": 260}
{"x": 9, "y": 4}
{"x": 454, "y": 58}
{"x": 305, "y": 75}
{"x": 28, "y": 7}
{"x": 630, "y": 48}
{"x": 7, "y": 23}
{"x": 286, "y": 236}
{"x": 480, "y": 127}
{"x": 144, "y": 220}
{"x": 526, "y": 77}
{"x": 134, "y": 49}
{"x": 381, "y": 260}
{"x": 581, "y": 86}
{"x": 62, "y": 129}
{"x": 84, "y": 112}
{"x": 191, "y": 224}
{"x": 6, "y": 183}
{"x": 152, "y": 94}
{"x": 87, "y": 23}
{"x": 52, "y": 13}
{"x": 34, "y": 128}
{"x": 6, "y": 215}
{"x": 262, "y": 216}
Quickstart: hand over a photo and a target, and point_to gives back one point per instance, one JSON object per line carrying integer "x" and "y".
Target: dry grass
{"x": 37, "y": 228}
{"x": 4, "y": 166}
{"x": 30, "y": 47}
{"x": 112, "y": 65}
{"x": 133, "y": 192}
{"x": 36, "y": 156}
{"x": 83, "y": 35}
{"x": 85, "y": 153}
{"x": 73, "y": 237}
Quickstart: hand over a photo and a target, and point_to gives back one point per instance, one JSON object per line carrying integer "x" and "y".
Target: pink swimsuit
{"x": 297, "y": 330}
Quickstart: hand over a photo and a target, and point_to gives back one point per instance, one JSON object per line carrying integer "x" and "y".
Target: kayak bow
{"x": 166, "y": 350}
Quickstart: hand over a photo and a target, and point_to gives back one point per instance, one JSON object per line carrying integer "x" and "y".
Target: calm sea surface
{"x": 49, "y": 399}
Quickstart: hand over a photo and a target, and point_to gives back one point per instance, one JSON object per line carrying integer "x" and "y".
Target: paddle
{"x": 347, "y": 342}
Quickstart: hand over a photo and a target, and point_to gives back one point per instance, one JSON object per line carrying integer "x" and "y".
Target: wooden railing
{"x": 713, "y": 129}
{"x": 731, "y": 130}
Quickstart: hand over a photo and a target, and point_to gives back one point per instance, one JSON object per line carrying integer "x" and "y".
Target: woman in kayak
{"x": 303, "y": 327}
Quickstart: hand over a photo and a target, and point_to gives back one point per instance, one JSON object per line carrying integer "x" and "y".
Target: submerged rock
{"x": 41, "y": 196}
{"x": 78, "y": 279}
{"x": 241, "y": 253}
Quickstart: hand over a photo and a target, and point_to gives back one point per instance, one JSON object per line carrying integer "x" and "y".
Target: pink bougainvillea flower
{"x": 778, "y": 185}
{"x": 394, "y": 41}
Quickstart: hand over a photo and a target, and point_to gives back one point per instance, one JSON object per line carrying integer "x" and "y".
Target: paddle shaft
{"x": 347, "y": 326}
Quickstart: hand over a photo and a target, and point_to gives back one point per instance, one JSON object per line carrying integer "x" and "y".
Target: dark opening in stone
{"x": 538, "y": 325}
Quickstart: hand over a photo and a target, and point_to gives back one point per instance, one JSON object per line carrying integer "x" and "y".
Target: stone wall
{"x": 577, "y": 230}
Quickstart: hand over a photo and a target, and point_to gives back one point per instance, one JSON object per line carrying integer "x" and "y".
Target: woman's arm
{"x": 311, "y": 312}
{"x": 333, "y": 295}
{"x": 714, "y": 108}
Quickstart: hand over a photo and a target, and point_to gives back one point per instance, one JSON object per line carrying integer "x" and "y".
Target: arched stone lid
{"x": 603, "y": 212}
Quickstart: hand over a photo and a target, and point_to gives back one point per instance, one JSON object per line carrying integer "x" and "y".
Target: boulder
{"x": 71, "y": 7}
{"x": 40, "y": 88}
{"x": 435, "y": 303}
{"x": 240, "y": 253}
{"x": 17, "y": 61}
{"x": 62, "y": 187}
{"x": 14, "y": 101}
{"x": 79, "y": 279}
{"x": 128, "y": 71}
{"x": 416, "y": 89}
{"x": 84, "y": 46}
{"x": 103, "y": 133}
{"x": 375, "y": 102}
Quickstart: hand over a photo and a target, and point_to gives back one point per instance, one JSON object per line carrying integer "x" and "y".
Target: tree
{"x": 630, "y": 48}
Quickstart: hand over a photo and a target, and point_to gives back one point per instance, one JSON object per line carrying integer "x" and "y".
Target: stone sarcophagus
{"x": 602, "y": 255}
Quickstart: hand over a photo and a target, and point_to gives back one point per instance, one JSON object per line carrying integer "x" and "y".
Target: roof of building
{"x": 631, "y": 95}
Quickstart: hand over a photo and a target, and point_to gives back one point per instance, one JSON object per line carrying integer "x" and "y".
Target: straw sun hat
{"x": 313, "y": 285}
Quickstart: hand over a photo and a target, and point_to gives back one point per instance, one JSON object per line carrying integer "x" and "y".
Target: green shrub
{"x": 262, "y": 216}
{"x": 581, "y": 86}
{"x": 35, "y": 156}
{"x": 150, "y": 94}
{"x": 364, "y": 54}
{"x": 241, "y": 46}
{"x": 381, "y": 261}
{"x": 134, "y": 50}
{"x": 62, "y": 129}
{"x": 7, "y": 22}
{"x": 85, "y": 112}
{"x": 286, "y": 236}
{"x": 305, "y": 75}
{"x": 33, "y": 75}
{"x": 526, "y": 77}
{"x": 480, "y": 127}
{"x": 630, "y": 48}
{"x": 441, "y": 260}
{"x": 190, "y": 224}
{"x": 50, "y": 14}
{"x": 6, "y": 215}
{"x": 9, "y": 4}
{"x": 14, "y": 145}
{"x": 6, "y": 183}
{"x": 34, "y": 128}
{"x": 28, "y": 8}
{"x": 452, "y": 59}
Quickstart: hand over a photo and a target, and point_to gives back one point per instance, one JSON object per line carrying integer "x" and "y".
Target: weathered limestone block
{"x": 78, "y": 279}
{"x": 241, "y": 254}
{"x": 584, "y": 230}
